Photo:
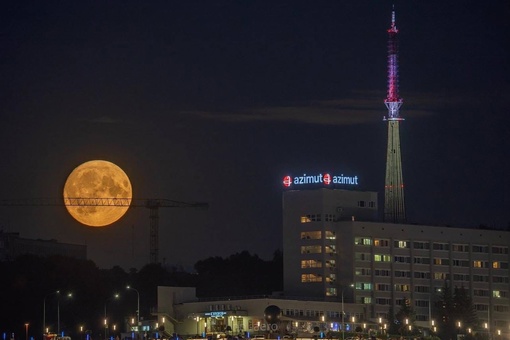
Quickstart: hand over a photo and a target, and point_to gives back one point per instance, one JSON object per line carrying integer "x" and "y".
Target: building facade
{"x": 325, "y": 253}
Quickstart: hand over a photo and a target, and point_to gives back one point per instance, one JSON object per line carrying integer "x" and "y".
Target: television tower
{"x": 394, "y": 209}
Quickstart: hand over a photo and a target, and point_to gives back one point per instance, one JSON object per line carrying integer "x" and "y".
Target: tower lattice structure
{"x": 394, "y": 208}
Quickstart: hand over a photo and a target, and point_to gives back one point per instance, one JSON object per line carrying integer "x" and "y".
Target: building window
{"x": 422, "y": 289}
{"x": 402, "y": 288}
{"x": 499, "y": 294}
{"x": 402, "y": 273}
{"x": 421, "y": 260}
{"x": 361, "y": 204}
{"x": 382, "y": 258}
{"x": 363, "y": 271}
{"x": 481, "y": 292}
{"x": 362, "y": 241}
{"x": 329, "y": 218}
{"x": 422, "y": 275}
{"x": 330, "y": 249}
{"x": 499, "y": 250}
{"x": 421, "y": 245}
{"x": 363, "y": 286}
{"x": 463, "y": 248}
{"x": 401, "y": 244}
{"x": 382, "y": 272}
{"x": 500, "y": 279}
{"x": 382, "y": 301}
{"x": 331, "y": 291}
{"x": 383, "y": 287}
{"x": 329, "y": 235}
{"x": 310, "y": 218}
{"x": 501, "y": 309}
{"x": 441, "y": 276}
{"x": 311, "y": 249}
{"x": 311, "y": 264}
{"x": 421, "y": 303}
{"x": 441, "y": 262}
{"x": 305, "y": 219}
{"x": 480, "y": 249}
{"x": 480, "y": 264}
{"x": 330, "y": 263}
{"x": 365, "y": 300}
{"x": 480, "y": 278}
{"x": 461, "y": 277}
{"x": 460, "y": 263}
{"x": 441, "y": 246}
{"x": 331, "y": 278}
{"x": 371, "y": 204}
{"x": 382, "y": 243}
{"x": 311, "y": 278}
{"x": 362, "y": 257}
{"x": 402, "y": 259}
{"x": 311, "y": 235}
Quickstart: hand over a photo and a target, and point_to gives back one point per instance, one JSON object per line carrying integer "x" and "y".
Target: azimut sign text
{"x": 325, "y": 179}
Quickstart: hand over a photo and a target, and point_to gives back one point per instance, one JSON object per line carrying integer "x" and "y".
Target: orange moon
{"x": 97, "y": 179}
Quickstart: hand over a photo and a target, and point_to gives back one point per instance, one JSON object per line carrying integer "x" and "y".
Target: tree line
{"x": 29, "y": 285}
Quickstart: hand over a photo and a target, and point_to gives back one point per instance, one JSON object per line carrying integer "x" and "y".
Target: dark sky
{"x": 215, "y": 101}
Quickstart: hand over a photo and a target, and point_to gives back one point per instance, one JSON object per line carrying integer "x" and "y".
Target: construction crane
{"x": 152, "y": 204}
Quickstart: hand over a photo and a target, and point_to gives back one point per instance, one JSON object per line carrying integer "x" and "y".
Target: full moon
{"x": 97, "y": 179}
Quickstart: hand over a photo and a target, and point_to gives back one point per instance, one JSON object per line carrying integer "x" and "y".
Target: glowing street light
{"x": 26, "y": 331}
{"x": 343, "y": 312}
{"x": 45, "y": 330}
{"x": 116, "y": 296}
{"x": 137, "y": 304}
{"x": 69, "y": 295}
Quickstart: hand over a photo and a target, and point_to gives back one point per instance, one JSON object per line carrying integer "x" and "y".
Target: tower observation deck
{"x": 394, "y": 208}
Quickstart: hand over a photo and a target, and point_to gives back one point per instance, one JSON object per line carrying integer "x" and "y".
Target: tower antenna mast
{"x": 394, "y": 208}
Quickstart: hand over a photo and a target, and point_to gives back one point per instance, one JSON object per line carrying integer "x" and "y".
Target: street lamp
{"x": 343, "y": 312}
{"x": 45, "y": 330}
{"x": 58, "y": 312}
{"x": 137, "y": 305}
{"x": 26, "y": 331}
{"x": 116, "y": 296}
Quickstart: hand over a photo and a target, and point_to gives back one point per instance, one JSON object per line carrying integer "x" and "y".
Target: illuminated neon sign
{"x": 325, "y": 179}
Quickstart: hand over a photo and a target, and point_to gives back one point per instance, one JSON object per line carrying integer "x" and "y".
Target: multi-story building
{"x": 332, "y": 241}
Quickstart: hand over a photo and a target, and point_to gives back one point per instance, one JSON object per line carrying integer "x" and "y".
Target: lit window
{"x": 311, "y": 264}
{"x": 311, "y": 235}
{"x": 305, "y": 219}
{"x": 311, "y": 278}
{"x": 330, "y": 291}
{"x": 382, "y": 258}
{"x": 311, "y": 249}
{"x": 496, "y": 265}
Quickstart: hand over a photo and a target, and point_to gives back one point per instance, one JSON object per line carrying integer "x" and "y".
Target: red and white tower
{"x": 394, "y": 208}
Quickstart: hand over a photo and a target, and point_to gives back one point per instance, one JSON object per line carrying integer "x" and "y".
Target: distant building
{"x": 12, "y": 246}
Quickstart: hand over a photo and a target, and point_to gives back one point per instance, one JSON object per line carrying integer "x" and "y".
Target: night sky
{"x": 215, "y": 101}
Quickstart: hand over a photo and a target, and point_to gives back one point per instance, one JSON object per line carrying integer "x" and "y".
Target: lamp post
{"x": 58, "y": 312}
{"x": 343, "y": 312}
{"x": 137, "y": 305}
{"x": 116, "y": 296}
{"x": 26, "y": 331}
{"x": 44, "y": 309}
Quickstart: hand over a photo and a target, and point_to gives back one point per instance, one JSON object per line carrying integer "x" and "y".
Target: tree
{"x": 405, "y": 316}
{"x": 465, "y": 312}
